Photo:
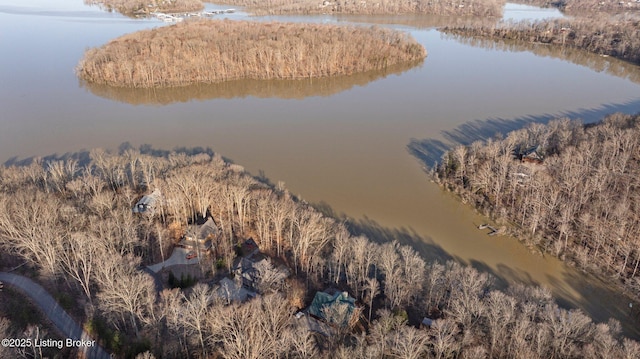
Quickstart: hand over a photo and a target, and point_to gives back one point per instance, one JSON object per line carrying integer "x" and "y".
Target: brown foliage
{"x": 473, "y": 319}
{"x": 491, "y": 8}
{"x": 143, "y": 7}
{"x": 586, "y": 7}
{"x": 618, "y": 38}
{"x": 209, "y": 51}
{"x": 582, "y": 203}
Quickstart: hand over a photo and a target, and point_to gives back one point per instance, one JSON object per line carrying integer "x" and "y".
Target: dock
{"x": 492, "y": 230}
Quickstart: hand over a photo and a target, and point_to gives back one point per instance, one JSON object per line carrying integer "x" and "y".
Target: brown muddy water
{"x": 344, "y": 142}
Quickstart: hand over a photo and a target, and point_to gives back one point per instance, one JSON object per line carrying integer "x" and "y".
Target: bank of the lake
{"x": 603, "y": 36}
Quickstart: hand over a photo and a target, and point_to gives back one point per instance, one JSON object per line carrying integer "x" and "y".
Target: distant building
{"x": 148, "y": 203}
{"x": 532, "y": 155}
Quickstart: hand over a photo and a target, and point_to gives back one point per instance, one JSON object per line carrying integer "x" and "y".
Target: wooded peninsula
{"x": 482, "y": 8}
{"x": 210, "y": 51}
{"x": 616, "y": 37}
{"x": 144, "y": 7}
{"x": 607, "y": 28}
{"x": 266, "y": 274}
{"x": 568, "y": 188}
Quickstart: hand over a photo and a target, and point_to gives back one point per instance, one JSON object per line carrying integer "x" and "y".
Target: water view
{"x": 343, "y": 141}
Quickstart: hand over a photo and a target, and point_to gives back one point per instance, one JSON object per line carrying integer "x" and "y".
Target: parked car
{"x": 191, "y": 255}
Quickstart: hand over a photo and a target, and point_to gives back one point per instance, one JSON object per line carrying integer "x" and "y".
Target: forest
{"x": 210, "y": 51}
{"x": 619, "y": 37}
{"x": 68, "y": 224}
{"x": 607, "y": 28}
{"x": 586, "y": 7}
{"x": 144, "y": 7}
{"x": 566, "y": 187}
{"x": 483, "y": 8}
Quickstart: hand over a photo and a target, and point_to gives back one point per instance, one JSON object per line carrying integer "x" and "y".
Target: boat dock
{"x": 492, "y": 230}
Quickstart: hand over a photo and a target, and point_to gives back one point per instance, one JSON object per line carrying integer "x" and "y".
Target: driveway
{"x": 179, "y": 256}
{"x": 60, "y": 319}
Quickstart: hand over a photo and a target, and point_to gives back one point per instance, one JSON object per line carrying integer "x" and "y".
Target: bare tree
{"x": 372, "y": 287}
{"x": 409, "y": 343}
{"x": 255, "y": 329}
{"x": 123, "y": 290}
{"x": 445, "y": 344}
{"x": 5, "y": 351}
{"x": 30, "y": 223}
{"x": 193, "y": 313}
{"x": 80, "y": 256}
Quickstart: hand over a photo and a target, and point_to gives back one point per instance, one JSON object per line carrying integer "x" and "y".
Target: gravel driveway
{"x": 69, "y": 329}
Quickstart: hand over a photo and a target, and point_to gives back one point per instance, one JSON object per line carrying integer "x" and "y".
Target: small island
{"x": 212, "y": 51}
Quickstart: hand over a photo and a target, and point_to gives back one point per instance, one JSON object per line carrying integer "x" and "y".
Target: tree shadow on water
{"x": 380, "y": 234}
{"x": 430, "y": 150}
{"x": 503, "y": 275}
{"x": 598, "y": 299}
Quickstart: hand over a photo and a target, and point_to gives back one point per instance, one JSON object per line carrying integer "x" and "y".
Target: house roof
{"x": 208, "y": 229}
{"x": 325, "y": 303}
{"x": 230, "y": 291}
{"x": 202, "y": 234}
{"x": 147, "y": 202}
{"x": 533, "y": 153}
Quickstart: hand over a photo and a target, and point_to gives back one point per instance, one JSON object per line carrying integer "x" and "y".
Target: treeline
{"x": 581, "y": 204}
{"x": 585, "y": 7}
{"x": 71, "y": 222}
{"x": 210, "y": 51}
{"x": 618, "y": 38}
{"x": 144, "y": 7}
{"x": 486, "y": 8}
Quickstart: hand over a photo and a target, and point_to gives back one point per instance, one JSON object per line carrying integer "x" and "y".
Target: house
{"x": 532, "y": 155}
{"x": 201, "y": 238}
{"x": 338, "y": 308}
{"x": 230, "y": 291}
{"x": 148, "y": 203}
{"x": 258, "y": 274}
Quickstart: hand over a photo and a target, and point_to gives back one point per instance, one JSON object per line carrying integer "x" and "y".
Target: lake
{"x": 344, "y": 142}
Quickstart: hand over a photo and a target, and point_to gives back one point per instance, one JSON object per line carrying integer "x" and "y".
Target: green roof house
{"x": 337, "y": 308}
